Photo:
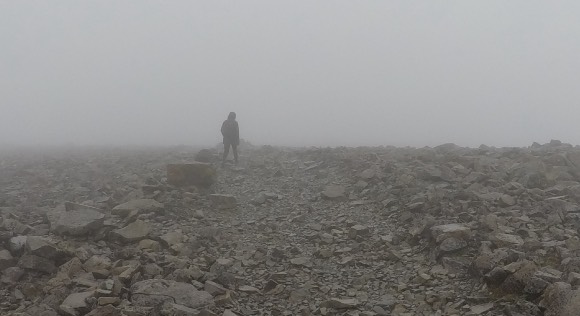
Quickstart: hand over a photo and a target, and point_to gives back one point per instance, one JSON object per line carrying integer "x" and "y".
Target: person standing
{"x": 231, "y": 134}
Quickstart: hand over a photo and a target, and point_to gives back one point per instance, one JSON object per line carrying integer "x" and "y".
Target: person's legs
{"x": 226, "y": 151}
{"x": 235, "y": 150}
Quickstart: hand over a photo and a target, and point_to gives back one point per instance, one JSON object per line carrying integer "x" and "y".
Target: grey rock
{"x": 135, "y": 231}
{"x": 179, "y": 310}
{"x": 6, "y": 259}
{"x": 442, "y": 232}
{"x": 223, "y": 201}
{"x": 214, "y": 288}
{"x": 452, "y": 244}
{"x": 191, "y": 174}
{"x": 172, "y": 238}
{"x": 153, "y": 292}
{"x": 337, "y": 303}
{"x": 138, "y": 205}
{"x": 11, "y": 275}
{"x": 42, "y": 247}
{"x": 78, "y": 222}
{"x": 507, "y": 240}
{"x": 334, "y": 192}
{"x": 36, "y": 263}
{"x": 76, "y": 304}
{"x": 97, "y": 263}
{"x": 358, "y": 231}
{"x": 560, "y": 300}
{"x": 5, "y": 235}
{"x": 107, "y": 310}
{"x": 16, "y": 244}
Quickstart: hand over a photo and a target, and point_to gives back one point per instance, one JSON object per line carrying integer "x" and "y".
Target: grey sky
{"x": 296, "y": 72}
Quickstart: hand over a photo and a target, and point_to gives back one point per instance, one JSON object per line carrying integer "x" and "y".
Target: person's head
{"x": 232, "y": 116}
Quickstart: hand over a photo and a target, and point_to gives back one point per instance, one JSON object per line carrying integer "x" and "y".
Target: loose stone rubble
{"x": 291, "y": 231}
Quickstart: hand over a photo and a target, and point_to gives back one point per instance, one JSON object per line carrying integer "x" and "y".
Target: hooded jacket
{"x": 231, "y": 130}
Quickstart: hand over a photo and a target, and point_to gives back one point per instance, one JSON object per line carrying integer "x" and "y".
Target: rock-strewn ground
{"x": 344, "y": 231}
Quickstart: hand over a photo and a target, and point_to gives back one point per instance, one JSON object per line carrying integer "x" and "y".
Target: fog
{"x": 297, "y": 73}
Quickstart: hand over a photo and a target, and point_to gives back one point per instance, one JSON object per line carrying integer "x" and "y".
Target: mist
{"x": 297, "y": 73}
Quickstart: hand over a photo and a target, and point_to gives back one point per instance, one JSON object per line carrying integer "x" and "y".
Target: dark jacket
{"x": 231, "y": 132}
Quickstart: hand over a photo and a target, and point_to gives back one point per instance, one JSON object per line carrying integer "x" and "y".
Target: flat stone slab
{"x": 337, "y": 303}
{"x": 152, "y": 292}
{"x": 77, "y": 220}
{"x": 443, "y": 232}
{"x": 140, "y": 205}
{"x": 76, "y": 303}
{"x": 334, "y": 192}
{"x": 133, "y": 232}
{"x": 507, "y": 240}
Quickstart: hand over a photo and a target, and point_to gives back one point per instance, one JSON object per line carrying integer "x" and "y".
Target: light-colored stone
{"x": 507, "y": 240}
{"x": 78, "y": 222}
{"x": 106, "y": 310}
{"x": 302, "y": 261}
{"x": 334, "y": 192}
{"x": 507, "y": 200}
{"x": 452, "y": 244}
{"x": 172, "y": 238}
{"x": 337, "y": 303}
{"x": 155, "y": 291}
{"x": 358, "y": 231}
{"x": 75, "y": 304}
{"x": 6, "y": 259}
{"x": 148, "y": 244}
{"x": 135, "y": 231}
{"x": 139, "y": 205}
{"x": 109, "y": 301}
{"x": 443, "y": 232}
{"x": 97, "y": 263}
{"x": 480, "y": 309}
{"x": 17, "y": 244}
{"x": 214, "y": 288}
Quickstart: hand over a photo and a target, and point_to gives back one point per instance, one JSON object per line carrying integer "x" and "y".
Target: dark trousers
{"x": 227, "y": 150}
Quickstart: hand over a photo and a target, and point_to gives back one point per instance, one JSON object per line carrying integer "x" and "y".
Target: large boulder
{"x": 195, "y": 173}
{"x": 156, "y": 291}
{"x": 41, "y": 247}
{"x": 76, "y": 220}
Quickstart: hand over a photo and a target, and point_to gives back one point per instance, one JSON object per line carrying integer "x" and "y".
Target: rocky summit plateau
{"x": 366, "y": 231}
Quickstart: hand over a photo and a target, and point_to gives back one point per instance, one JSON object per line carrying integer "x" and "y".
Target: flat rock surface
{"x": 78, "y": 222}
{"x": 152, "y": 292}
